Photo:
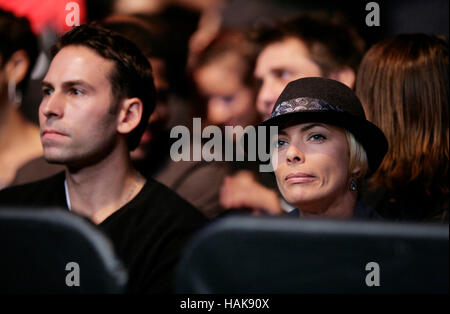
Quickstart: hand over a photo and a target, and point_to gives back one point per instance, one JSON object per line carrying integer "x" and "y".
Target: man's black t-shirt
{"x": 148, "y": 233}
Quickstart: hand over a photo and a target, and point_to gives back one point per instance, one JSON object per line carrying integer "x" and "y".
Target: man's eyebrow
{"x": 279, "y": 69}
{"x": 46, "y": 84}
{"x": 69, "y": 84}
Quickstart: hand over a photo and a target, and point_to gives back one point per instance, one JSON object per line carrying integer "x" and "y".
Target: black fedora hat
{"x": 316, "y": 99}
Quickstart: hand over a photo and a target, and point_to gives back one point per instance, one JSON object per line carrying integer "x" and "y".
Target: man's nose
{"x": 267, "y": 96}
{"x": 52, "y": 105}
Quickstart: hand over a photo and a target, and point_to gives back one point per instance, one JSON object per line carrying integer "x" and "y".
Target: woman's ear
{"x": 345, "y": 75}
{"x": 356, "y": 172}
{"x": 17, "y": 66}
{"x": 130, "y": 115}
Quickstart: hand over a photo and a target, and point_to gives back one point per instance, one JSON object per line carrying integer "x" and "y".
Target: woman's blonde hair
{"x": 357, "y": 156}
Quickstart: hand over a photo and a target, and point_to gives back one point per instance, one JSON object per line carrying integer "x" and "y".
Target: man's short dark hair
{"x": 132, "y": 75}
{"x": 331, "y": 41}
{"x": 16, "y": 34}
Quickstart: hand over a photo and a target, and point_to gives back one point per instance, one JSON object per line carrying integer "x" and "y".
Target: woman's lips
{"x": 299, "y": 178}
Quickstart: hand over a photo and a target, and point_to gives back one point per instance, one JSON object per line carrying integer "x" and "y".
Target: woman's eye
{"x": 280, "y": 143}
{"x": 317, "y": 138}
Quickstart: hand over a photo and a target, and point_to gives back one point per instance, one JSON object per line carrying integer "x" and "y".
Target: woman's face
{"x": 313, "y": 161}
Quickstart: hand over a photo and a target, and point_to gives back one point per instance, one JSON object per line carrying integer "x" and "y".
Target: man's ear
{"x": 17, "y": 66}
{"x": 130, "y": 114}
{"x": 345, "y": 75}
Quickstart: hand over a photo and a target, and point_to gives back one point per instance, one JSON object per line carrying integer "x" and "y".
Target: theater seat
{"x": 54, "y": 251}
{"x": 279, "y": 255}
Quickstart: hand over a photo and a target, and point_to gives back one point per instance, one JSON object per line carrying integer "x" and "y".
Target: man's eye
{"x": 283, "y": 74}
{"x": 76, "y": 91}
{"x": 46, "y": 91}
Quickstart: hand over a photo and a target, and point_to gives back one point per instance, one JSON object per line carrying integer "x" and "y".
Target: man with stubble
{"x": 97, "y": 97}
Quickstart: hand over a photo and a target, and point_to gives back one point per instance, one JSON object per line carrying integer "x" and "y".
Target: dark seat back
{"x": 279, "y": 255}
{"x": 43, "y": 251}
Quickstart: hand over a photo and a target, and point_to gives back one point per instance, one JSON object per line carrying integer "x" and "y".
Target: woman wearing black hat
{"x": 325, "y": 148}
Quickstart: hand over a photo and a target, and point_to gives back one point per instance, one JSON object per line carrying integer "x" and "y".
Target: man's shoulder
{"x": 31, "y": 193}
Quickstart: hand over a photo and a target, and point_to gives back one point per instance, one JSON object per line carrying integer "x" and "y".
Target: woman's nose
{"x": 294, "y": 155}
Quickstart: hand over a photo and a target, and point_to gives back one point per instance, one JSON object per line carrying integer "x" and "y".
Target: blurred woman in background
{"x": 403, "y": 86}
{"x": 19, "y": 138}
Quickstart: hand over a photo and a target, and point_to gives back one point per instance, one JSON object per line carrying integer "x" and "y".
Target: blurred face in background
{"x": 279, "y": 63}
{"x": 3, "y": 85}
{"x": 229, "y": 100}
{"x": 158, "y": 119}
{"x": 12, "y": 70}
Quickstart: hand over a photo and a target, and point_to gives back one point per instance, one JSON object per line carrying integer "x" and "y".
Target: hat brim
{"x": 366, "y": 133}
